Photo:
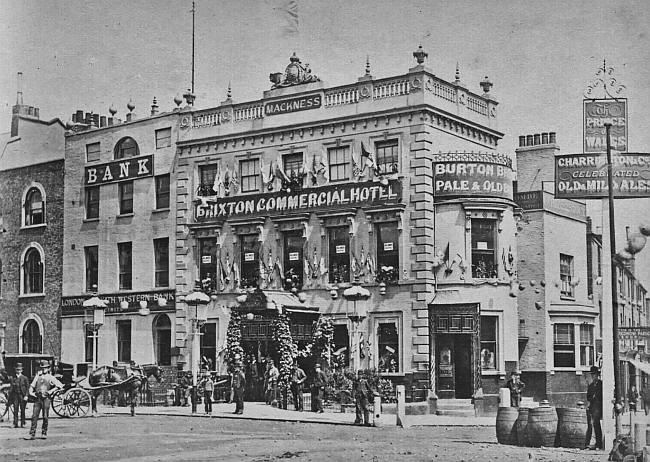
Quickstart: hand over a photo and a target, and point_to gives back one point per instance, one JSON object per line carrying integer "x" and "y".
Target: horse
{"x": 130, "y": 380}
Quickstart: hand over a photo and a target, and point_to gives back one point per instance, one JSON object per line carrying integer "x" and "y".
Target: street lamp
{"x": 3, "y": 328}
{"x": 355, "y": 294}
{"x": 95, "y": 309}
{"x": 198, "y": 299}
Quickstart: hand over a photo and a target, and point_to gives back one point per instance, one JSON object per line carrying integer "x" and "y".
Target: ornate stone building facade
{"x": 283, "y": 203}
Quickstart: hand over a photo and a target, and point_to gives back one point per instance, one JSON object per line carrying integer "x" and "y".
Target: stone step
{"x": 456, "y": 412}
{"x": 467, "y": 401}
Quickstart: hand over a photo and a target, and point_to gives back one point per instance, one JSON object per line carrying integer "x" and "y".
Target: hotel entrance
{"x": 455, "y": 340}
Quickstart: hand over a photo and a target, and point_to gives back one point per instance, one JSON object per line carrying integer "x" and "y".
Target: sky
{"x": 540, "y": 55}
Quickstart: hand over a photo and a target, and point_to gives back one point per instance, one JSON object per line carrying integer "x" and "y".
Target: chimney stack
{"x": 19, "y": 95}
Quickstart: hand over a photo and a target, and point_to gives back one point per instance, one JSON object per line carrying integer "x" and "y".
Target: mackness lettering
{"x": 302, "y": 103}
{"x": 120, "y": 170}
{"x": 278, "y": 203}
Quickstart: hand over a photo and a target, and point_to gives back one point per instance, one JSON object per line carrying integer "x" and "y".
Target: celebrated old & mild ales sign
{"x": 584, "y": 176}
{"x": 119, "y": 170}
{"x": 599, "y": 112}
{"x": 472, "y": 175}
{"x": 324, "y": 197}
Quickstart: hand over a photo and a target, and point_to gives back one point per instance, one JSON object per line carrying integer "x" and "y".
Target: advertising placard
{"x": 119, "y": 170}
{"x": 472, "y": 175}
{"x": 584, "y": 176}
{"x": 596, "y": 114}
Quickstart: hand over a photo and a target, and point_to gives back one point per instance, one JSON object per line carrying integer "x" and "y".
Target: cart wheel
{"x": 59, "y": 405}
{"x": 78, "y": 401}
{"x": 4, "y": 406}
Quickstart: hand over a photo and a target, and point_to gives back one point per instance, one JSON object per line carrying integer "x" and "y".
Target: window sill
{"x": 492, "y": 372}
{"x": 125, "y": 215}
{"x": 40, "y": 225}
{"x": 165, "y": 209}
{"x": 567, "y": 298}
{"x": 91, "y": 220}
{"x": 391, "y": 374}
{"x": 32, "y": 295}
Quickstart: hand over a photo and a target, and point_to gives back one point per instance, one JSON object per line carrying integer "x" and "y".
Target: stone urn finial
{"x": 486, "y": 84}
{"x": 420, "y": 55}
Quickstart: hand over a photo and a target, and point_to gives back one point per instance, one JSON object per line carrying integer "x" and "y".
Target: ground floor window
{"x": 124, "y": 341}
{"x": 587, "y": 345}
{"x": 388, "y": 346}
{"x": 339, "y": 255}
{"x": 341, "y": 354}
{"x": 293, "y": 260}
{"x": 209, "y": 345}
{"x": 162, "y": 336}
{"x": 32, "y": 340}
{"x": 488, "y": 343}
{"x": 88, "y": 343}
{"x": 564, "y": 345}
{"x": 250, "y": 260}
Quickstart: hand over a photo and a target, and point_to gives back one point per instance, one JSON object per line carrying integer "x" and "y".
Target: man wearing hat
{"x": 238, "y": 386}
{"x": 516, "y": 386}
{"x": 42, "y": 387}
{"x": 595, "y": 408}
{"x": 18, "y": 389}
{"x": 317, "y": 390}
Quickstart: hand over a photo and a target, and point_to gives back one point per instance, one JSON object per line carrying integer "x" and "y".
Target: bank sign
{"x": 73, "y": 306}
{"x": 584, "y": 176}
{"x": 301, "y": 103}
{"x": 119, "y": 170}
{"x": 596, "y": 114}
{"x": 324, "y": 197}
{"x": 472, "y": 179}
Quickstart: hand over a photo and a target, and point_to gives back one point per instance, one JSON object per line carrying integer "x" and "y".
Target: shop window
{"x": 563, "y": 345}
{"x": 125, "y": 195}
{"x": 293, "y": 260}
{"x": 88, "y": 343}
{"x": 209, "y": 266}
{"x": 209, "y": 345}
{"x": 163, "y": 138}
{"x": 34, "y": 208}
{"x": 162, "y": 192}
{"x": 488, "y": 343}
{"x": 249, "y": 172}
{"x": 339, "y": 255}
{"x": 125, "y": 266}
{"x": 250, "y": 260}
{"x": 126, "y": 147}
{"x": 339, "y": 163}
{"x": 207, "y": 174}
{"x": 341, "y": 340}
{"x": 91, "y": 254}
{"x": 123, "y": 340}
{"x": 32, "y": 339}
{"x": 566, "y": 275}
{"x": 33, "y": 270}
{"x": 484, "y": 255}
{"x": 387, "y": 252}
{"x": 587, "y": 345}
{"x": 388, "y": 346}
{"x": 161, "y": 261}
{"x": 162, "y": 339}
{"x": 92, "y": 152}
{"x": 387, "y": 156}
{"x": 92, "y": 202}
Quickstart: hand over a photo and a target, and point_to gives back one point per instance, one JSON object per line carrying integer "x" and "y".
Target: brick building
{"x": 284, "y": 202}
{"x": 119, "y": 236}
{"x": 558, "y": 319}
{"x": 31, "y": 234}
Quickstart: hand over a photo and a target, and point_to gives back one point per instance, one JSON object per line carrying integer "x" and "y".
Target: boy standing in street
{"x": 516, "y": 386}
{"x": 42, "y": 387}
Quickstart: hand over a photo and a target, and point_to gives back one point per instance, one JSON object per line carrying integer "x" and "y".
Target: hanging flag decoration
{"x": 369, "y": 161}
{"x": 268, "y": 175}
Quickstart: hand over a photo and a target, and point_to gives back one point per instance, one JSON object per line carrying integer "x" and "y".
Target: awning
{"x": 642, "y": 366}
{"x": 262, "y": 300}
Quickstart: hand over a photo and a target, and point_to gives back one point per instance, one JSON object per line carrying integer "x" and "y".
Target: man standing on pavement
{"x": 363, "y": 393}
{"x": 298, "y": 378}
{"x": 595, "y": 408}
{"x": 318, "y": 389}
{"x": 272, "y": 392}
{"x": 42, "y": 387}
{"x": 208, "y": 389}
{"x": 19, "y": 387}
{"x": 645, "y": 397}
{"x": 516, "y": 386}
{"x": 238, "y": 386}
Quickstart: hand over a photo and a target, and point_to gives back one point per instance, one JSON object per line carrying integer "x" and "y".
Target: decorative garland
{"x": 285, "y": 347}
{"x": 323, "y": 340}
{"x": 233, "y": 339}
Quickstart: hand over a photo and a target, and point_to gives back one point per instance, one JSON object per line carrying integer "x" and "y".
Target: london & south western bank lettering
{"x": 322, "y": 197}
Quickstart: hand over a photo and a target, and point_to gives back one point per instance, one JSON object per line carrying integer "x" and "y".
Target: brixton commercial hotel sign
{"x": 351, "y": 194}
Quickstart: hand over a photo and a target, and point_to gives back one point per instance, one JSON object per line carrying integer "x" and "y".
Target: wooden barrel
{"x": 506, "y": 417}
{"x": 571, "y": 427}
{"x": 542, "y": 427}
{"x": 520, "y": 426}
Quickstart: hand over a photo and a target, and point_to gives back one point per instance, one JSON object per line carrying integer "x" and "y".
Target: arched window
{"x": 32, "y": 340}
{"x": 34, "y": 210}
{"x": 162, "y": 339}
{"x": 126, "y": 147}
{"x": 33, "y": 272}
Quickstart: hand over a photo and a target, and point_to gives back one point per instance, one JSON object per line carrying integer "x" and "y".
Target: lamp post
{"x": 95, "y": 309}
{"x": 198, "y": 299}
{"x": 3, "y": 328}
{"x": 355, "y": 294}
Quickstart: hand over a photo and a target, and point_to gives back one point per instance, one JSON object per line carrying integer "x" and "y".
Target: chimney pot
{"x": 522, "y": 141}
{"x": 529, "y": 140}
{"x": 102, "y": 121}
{"x": 80, "y": 117}
{"x": 551, "y": 137}
{"x": 544, "y": 138}
{"x": 30, "y": 110}
{"x": 536, "y": 139}
{"x": 129, "y": 116}
{"x": 110, "y": 121}
{"x": 37, "y": 112}
{"x": 74, "y": 117}
{"x": 95, "y": 120}
{"x": 88, "y": 118}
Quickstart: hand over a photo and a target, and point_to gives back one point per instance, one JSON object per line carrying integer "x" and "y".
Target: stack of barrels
{"x": 542, "y": 426}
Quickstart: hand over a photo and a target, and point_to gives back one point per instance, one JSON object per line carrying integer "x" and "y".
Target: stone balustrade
{"x": 390, "y": 88}
{"x": 341, "y": 96}
{"x": 248, "y": 112}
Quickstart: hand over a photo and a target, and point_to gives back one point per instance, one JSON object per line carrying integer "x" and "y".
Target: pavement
{"x": 261, "y": 411}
